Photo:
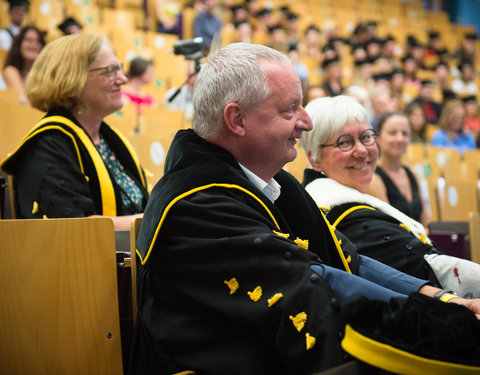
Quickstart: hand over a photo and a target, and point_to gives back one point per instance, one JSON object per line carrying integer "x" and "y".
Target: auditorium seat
{"x": 59, "y": 313}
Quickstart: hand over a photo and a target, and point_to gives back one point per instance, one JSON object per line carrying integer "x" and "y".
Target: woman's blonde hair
{"x": 59, "y": 73}
{"x": 444, "y": 121}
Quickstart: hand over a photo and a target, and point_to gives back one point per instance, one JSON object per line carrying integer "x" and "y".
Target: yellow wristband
{"x": 447, "y": 297}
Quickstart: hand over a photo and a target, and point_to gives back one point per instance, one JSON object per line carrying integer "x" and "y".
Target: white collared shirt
{"x": 270, "y": 189}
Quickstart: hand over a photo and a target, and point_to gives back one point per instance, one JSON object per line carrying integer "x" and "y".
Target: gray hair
{"x": 231, "y": 75}
{"x": 329, "y": 115}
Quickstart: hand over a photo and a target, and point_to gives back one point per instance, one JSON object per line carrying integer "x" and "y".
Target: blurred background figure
{"x": 25, "y": 49}
{"x": 332, "y": 77}
{"x": 382, "y": 103}
{"x": 452, "y": 132}
{"x": 180, "y": 98}
{"x": 17, "y": 11}
{"x": 70, "y": 26}
{"x": 140, "y": 74}
{"x": 465, "y": 84}
{"x": 417, "y": 119}
{"x": 393, "y": 182}
{"x": 472, "y": 117}
{"x": 169, "y": 15}
{"x": 74, "y": 164}
{"x": 206, "y": 24}
{"x": 425, "y": 99}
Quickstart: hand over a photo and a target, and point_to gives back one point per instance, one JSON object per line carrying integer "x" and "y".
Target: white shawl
{"x": 329, "y": 193}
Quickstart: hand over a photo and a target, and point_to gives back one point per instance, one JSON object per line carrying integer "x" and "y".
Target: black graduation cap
{"x": 470, "y": 98}
{"x": 328, "y": 48}
{"x": 327, "y": 62}
{"x": 67, "y": 22}
{"x": 396, "y": 71}
{"x": 264, "y": 12}
{"x": 375, "y": 40}
{"x": 18, "y": 3}
{"x": 433, "y": 35}
{"x": 471, "y": 36}
{"x": 389, "y": 38}
{"x": 312, "y": 27}
{"x": 292, "y": 16}
{"x": 382, "y": 77}
{"x": 362, "y": 62}
{"x": 448, "y": 94}
{"x": 407, "y": 57}
{"x": 427, "y": 82}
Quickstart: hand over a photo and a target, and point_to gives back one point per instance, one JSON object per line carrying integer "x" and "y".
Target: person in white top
{"x": 17, "y": 11}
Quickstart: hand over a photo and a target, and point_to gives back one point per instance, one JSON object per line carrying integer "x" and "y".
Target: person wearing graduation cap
{"x": 332, "y": 83}
{"x": 16, "y": 12}
{"x": 472, "y": 115}
{"x": 70, "y": 26}
{"x": 425, "y": 99}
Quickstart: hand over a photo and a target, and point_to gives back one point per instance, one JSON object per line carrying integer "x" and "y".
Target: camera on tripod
{"x": 191, "y": 48}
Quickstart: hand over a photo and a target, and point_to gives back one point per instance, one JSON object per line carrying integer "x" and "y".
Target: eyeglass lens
{"x": 346, "y": 142}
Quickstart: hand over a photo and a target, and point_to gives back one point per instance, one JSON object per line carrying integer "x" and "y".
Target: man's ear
{"x": 234, "y": 121}
{"x": 316, "y": 165}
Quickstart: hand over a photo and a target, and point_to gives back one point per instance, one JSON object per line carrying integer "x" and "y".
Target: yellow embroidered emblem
{"x": 35, "y": 207}
{"x": 87, "y": 178}
{"x": 232, "y": 284}
{"x": 148, "y": 173}
{"x": 425, "y": 239}
{"x": 299, "y": 320}
{"x": 310, "y": 341}
{"x": 45, "y": 217}
{"x": 274, "y": 299}
{"x": 256, "y": 294}
{"x": 349, "y": 259}
{"x": 284, "y": 235}
{"x": 405, "y": 227}
{"x": 324, "y": 208}
{"x": 302, "y": 243}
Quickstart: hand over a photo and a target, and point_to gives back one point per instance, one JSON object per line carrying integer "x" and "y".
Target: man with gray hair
{"x": 238, "y": 271}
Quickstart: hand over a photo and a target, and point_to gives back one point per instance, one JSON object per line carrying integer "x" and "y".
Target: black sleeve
{"x": 50, "y": 181}
{"x": 213, "y": 237}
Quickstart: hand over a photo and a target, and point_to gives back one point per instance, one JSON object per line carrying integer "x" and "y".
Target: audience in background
{"x": 472, "y": 116}
{"x": 465, "y": 84}
{"x": 25, "y": 49}
{"x": 17, "y": 11}
{"x": 393, "y": 182}
{"x": 169, "y": 16}
{"x": 206, "y": 24}
{"x": 425, "y": 99}
{"x": 417, "y": 118}
{"x": 452, "y": 132}
{"x": 70, "y": 26}
{"x": 140, "y": 74}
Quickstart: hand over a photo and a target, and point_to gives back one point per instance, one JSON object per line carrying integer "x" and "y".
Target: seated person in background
{"x": 70, "y": 26}
{"x": 181, "y": 98}
{"x": 223, "y": 233}
{"x": 417, "y": 118}
{"x": 25, "y": 49}
{"x": 139, "y": 75}
{"x": 342, "y": 153}
{"x": 394, "y": 182}
{"x": 169, "y": 14}
{"x": 72, "y": 164}
{"x": 472, "y": 116}
{"x": 452, "y": 132}
{"x": 465, "y": 84}
{"x": 206, "y": 24}
{"x": 425, "y": 99}
{"x": 17, "y": 10}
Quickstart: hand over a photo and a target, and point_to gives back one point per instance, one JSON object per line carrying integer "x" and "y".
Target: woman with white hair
{"x": 342, "y": 153}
